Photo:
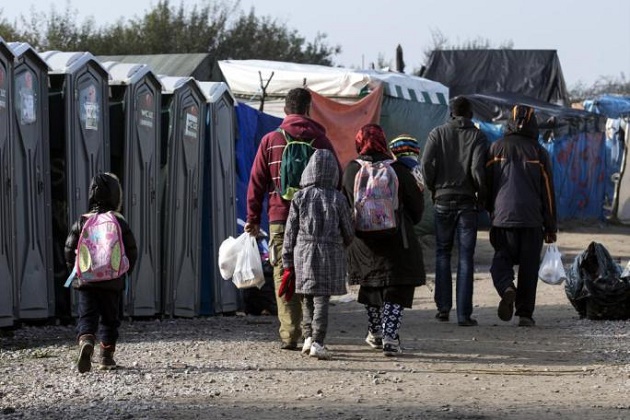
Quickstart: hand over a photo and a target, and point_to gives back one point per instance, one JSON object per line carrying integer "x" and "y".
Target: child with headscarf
{"x": 388, "y": 269}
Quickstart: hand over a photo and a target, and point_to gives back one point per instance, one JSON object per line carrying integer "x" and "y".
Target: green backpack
{"x": 295, "y": 157}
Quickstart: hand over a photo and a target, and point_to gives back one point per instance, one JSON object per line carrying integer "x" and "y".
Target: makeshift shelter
{"x": 135, "y": 107}
{"x": 79, "y": 147}
{"x": 345, "y": 99}
{"x": 199, "y": 66}
{"x": 7, "y": 232}
{"x": 617, "y": 110}
{"x": 33, "y": 276}
{"x": 575, "y": 142}
{"x": 533, "y": 73}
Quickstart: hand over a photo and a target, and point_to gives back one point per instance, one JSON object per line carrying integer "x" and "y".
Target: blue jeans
{"x": 453, "y": 221}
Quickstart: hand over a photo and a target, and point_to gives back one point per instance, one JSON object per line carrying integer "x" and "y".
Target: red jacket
{"x": 265, "y": 175}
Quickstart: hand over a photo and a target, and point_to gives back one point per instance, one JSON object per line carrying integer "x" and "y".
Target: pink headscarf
{"x": 370, "y": 140}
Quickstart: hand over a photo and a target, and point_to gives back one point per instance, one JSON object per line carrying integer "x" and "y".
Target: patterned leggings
{"x": 385, "y": 320}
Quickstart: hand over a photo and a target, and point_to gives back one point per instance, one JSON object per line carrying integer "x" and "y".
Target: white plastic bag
{"x": 551, "y": 270}
{"x": 228, "y": 254}
{"x": 248, "y": 271}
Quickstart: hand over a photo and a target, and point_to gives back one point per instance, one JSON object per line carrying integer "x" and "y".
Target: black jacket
{"x": 520, "y": 181}
{"x": 105, "y": 195}
{"x": 386, "y": 262}
{"x": 453, "y": 160}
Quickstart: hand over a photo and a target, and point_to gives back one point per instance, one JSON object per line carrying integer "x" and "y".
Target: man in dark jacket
{"x": 523, "y": 213}
{"x": 453, "y": 169}
{"x": 265, "y": 181}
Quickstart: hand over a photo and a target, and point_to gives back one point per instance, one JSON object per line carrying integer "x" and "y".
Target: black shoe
{"x": 442, "y": 316}
{"x": 506, "y": 306}
{"x": 468, "y": 323}
{"x": 289, "y": 346}
{"x": 526, "y": 321}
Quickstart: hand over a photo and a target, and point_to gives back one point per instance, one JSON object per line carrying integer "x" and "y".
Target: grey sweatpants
{"x": 315, "y": 317}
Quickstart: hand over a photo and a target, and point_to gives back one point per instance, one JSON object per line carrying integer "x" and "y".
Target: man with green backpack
{"x": 276, "y": 171}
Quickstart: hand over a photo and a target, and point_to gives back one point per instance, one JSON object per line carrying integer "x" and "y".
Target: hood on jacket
{"x": 302, "y": 127}
{"x": 523, "y": 122}
{"x": 321, "y": 170}
{"x": 105, "y": 193}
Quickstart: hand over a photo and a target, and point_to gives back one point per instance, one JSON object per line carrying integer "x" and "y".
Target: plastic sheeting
{"x": 579, "y": 169}
{"x": 252, "y": 126}
{"x": 535, "y": 73}
{"x": 609, "y": 105}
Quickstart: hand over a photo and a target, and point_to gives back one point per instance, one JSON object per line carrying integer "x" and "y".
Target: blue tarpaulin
{"x": 609, "y": 105}
{"x": 580, "y": 168}
{"x": 252, "y": 126}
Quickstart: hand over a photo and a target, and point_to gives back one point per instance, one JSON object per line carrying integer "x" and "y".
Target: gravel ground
{"x": 231, "y": 367}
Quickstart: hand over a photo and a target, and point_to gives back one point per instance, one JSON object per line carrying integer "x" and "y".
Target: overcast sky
{"x": 592, "y": 37}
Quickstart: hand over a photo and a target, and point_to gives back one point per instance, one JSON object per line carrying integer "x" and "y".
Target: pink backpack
{"x": 101, "y": 251}
{"x": 375, "y": 198}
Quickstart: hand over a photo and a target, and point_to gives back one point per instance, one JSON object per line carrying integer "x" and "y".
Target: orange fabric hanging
{"x": 343, "y": 121}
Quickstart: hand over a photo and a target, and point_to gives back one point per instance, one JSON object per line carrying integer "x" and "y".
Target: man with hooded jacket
{"x": 265, "y": 181}
{"x": 522, "y": 211}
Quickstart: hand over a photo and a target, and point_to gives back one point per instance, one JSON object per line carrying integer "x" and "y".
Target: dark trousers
{"x": 517, "y": 246}
{"x": 455, "y": 221}
{"x": 99, "y": 314}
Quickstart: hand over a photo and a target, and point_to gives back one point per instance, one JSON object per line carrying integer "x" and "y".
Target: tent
{"x": 408, "y": 104}
{"x": 574, "y": 140}
{"x": 617, "y": 109}
{"x": 534, "y": 73}
{"x": 344, "y": 100}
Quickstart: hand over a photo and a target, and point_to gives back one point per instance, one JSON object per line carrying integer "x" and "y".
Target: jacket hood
{"x": 321, "y": 171}
{"x": 302, "y": 127}
{"x": 523, "y": 122}
{"x": 105, "y": 193}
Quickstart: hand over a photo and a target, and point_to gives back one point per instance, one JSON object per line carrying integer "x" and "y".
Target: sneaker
{"x": 107, "y": 358}
{"x": 308, "y": 342}
{"x": 391, "y": 347}
{"x": 442, "y": 316}
{"x": 506, "y": 306}
{"x": 374, "y": 340}
{"x": 319, "y": 351}
{"x": 86, "y": 348}
{"x": 526, "y": 321}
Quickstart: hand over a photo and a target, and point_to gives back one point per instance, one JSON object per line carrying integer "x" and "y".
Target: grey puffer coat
{"x": 318, "y": 229}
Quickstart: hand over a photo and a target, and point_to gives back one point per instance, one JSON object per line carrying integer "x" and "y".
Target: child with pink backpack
{"x": 100, "y": 250}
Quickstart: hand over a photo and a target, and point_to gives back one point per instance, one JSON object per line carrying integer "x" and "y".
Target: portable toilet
{"x": 134, "y": 104}
{"x": 7, "y": 233}
{"x": 183, "y": 106}
{"x": 79, "y": 147}
{"x": 31, "y": 174}
{"x": 219, "y": 197}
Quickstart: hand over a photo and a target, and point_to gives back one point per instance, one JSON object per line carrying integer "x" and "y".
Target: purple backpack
{"x": 101, "y": 251}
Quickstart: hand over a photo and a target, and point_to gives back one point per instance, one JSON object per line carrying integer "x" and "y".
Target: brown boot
{"x": 107, "y": 357}
{"x": 86, "y": 348}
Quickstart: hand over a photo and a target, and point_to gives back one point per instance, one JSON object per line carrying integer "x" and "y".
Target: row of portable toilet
{"x": 65, "y": 116}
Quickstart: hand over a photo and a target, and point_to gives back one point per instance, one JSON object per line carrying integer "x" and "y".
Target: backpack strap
{"x": 71, "y": 277}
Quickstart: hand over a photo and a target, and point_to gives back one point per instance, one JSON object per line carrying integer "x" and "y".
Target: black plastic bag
{"x": 595, "y": 287}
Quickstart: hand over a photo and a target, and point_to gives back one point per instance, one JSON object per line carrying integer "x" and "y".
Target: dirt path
{"x": 230, "y": 367}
